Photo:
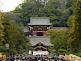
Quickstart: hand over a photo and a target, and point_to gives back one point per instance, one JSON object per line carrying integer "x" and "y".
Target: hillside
{"x": 57, "y": 10}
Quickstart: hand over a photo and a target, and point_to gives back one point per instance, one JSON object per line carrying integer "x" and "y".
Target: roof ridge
{"x": 39, "y": 18}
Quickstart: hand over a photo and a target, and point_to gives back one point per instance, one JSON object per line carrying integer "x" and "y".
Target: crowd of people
{"x": 24, "y": 57}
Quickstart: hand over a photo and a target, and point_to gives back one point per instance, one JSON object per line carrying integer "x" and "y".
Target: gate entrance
{"x": 39, "y": 33}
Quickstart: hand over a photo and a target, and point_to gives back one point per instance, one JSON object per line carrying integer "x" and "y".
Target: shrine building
{"x": 38, "y": 27}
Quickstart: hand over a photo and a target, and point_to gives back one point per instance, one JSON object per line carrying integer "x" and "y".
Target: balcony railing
{"x": 39, "y": 29}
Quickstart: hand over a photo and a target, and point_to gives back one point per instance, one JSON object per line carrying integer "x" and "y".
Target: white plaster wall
{"x": 40, "y": 52}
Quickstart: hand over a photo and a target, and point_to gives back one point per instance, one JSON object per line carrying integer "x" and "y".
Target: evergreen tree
{"x": 55, "y": 9}
{"x": 6, "y": 23}
{"x": 15, "y": 37}
{"x": 12, "y": 34}
{"x": 75, "y": 32}
{"x": 1, "y": 32}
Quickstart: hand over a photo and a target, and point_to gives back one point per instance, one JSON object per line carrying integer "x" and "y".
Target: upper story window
{"x": 44, "y": 27}
{"x": 34, "y": 27}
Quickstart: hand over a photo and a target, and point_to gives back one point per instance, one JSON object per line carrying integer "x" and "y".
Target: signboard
{"x": 67, "y": 57}
{"x": 71, "y": 57}
{"x": 61, "y": 56}
{"x": 30, "y": 52}
{"x": 40, "y": 52}
{"x": 74, "y": 57}
{"x": 2, "y": 57}
{"x": 7, "y": 45}
{"x": 0, "y": 54}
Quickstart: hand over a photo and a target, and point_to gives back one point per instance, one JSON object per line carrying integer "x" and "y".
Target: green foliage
{"x": 14, "y": 16}
{"x": 63, "y": 51}
{"x": 69, "y": 3}
{"x": 6, "y": 23}
{"x": 75, "y": 31}
{"x": 2, "y": 48}
{"x": 54, "y": 9}
{"x": 14, "y": 36}
{"x": 29, "y": 9}
{"x": 64, "y": 17}
{"x": 69, "y": 21}
{"x": 1, "y": 32}
{"x": 52, "y": 33}
{"x": 59, "y": 39}
{"x": 58, "y": 11}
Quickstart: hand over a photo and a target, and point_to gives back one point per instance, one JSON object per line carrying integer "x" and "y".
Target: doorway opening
{"x": 39, "y": 33}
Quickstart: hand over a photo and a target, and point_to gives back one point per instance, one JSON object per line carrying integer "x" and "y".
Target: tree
{"x": 11, "y": 32}
{"x": 63, "y": 51}
{"x": 29, "y": 8}
{"x": 52, "y": 33}
{"x": 14, "y": 16}
{"x": 6, "y": 23}
{"x": 69, "y": 22}
{"x": 14, "y": 36}
{"x": 64, "y": 18}
{"x": 69, "y": 3}
{"x": 23, "y": 45}
{"x": 60, "y": 41}
{"x": 55, "y": 9}
{"x": 2, "y": 35}
{"x": 75, "y": 31}
{"x": 1, "y": 32}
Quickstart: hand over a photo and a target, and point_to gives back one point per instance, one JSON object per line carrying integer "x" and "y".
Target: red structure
{"x": 38, "y": 27}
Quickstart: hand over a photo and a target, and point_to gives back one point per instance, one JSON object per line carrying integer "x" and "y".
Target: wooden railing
{"x": 39, "y": 29}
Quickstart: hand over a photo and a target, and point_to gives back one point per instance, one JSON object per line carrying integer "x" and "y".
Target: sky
{"x": 9, "y": 5}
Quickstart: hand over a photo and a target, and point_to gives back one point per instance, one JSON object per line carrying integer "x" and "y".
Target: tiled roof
{"x": 25, "y": 29}
{"x": 40, "y": 47}
{"x": 43, "y": 39}
{"x": 39, "y": 21}
{"x": 58, "y": 28}
{"x": 39, "y": 18}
